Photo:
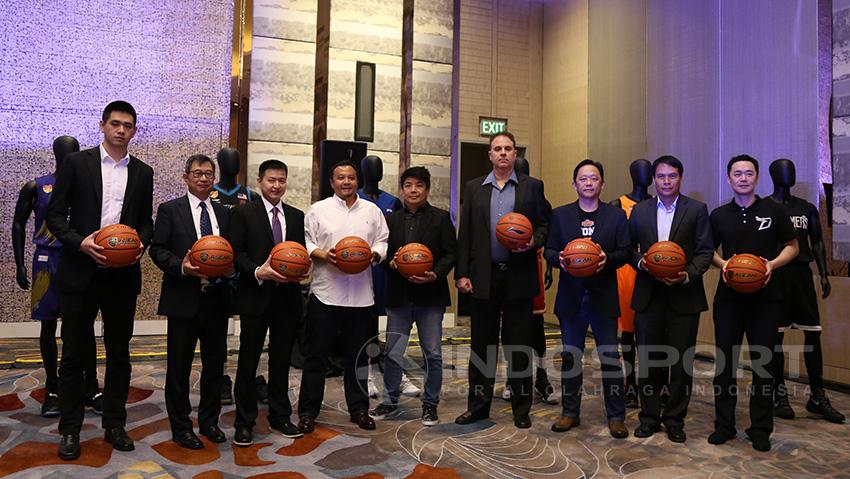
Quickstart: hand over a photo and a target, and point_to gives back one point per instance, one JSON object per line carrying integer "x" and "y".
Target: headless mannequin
{"x": 28, "y": 202}
{"x": 783, "y": 174}
{"x": 641, "y": 173}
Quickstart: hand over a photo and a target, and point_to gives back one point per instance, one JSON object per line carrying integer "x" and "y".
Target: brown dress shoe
{"x": 565, "y": 424}
{"x": 618, "y": 429}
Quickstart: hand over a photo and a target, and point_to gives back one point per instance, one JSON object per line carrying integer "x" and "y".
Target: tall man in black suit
{"x": 503, "y": 283}
{"x": 590, "y": 302}
{"x": 667, "y": 310}
{"x": 96, "y": 188}
{"x": 196, "y": 306}
{"x": 266, "y": 301}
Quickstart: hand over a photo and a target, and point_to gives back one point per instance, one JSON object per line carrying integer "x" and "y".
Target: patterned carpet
{"x": 402, "y": 448}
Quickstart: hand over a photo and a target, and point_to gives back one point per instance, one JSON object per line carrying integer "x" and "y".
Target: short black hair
{"x": 119, "y": 105}
{"x": 342, "y": 164}
{"x": 668, "y": 160}
{"x": 199, "y": 159}
{"x": 504, "y": 133}
{"x": 272, "y": 165}
{"x": 589, "y": 162}
{"x": 418, "y": 172}
{"x": 738, "y": 158}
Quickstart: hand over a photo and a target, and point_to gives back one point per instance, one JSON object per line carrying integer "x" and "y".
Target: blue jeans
{"x": 429, "y": 323}
{"x": 573, "y": 334}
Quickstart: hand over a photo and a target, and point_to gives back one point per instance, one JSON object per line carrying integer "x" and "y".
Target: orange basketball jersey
{"x": 626, "y": 281}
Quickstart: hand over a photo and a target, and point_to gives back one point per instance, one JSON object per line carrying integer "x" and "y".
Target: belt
{"x": 209, "y": 287}
{"x": 500, "y": 266}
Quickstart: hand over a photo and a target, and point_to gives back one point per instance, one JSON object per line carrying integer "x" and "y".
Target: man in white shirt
{"x": 340, "y": 301}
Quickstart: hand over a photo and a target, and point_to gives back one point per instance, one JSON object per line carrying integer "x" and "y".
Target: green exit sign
{"x": 488, "y": 126}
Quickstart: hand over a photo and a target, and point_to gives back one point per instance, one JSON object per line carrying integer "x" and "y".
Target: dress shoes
{"x": 646, "y": 430}
{"x": 287, "y": 429}
{"x": 187, "y": 440}
{"x": 306, "y": 424}
{"x": 243, "y": 437}
{"x": 675, "y": 434}
{"x": 213, "y": 433}
{"x": 363, "y": 420}
{"x": 69, "y": 447}
{"x": 469, "y": 417}
{"x": 719, "y": 437}
{"x": 565, "y": 424}
{"x": 522, "y": 422}
{"x": 761, "y": 441}
{"x": 119, "y": 439}
{"x": 618, "y": 429}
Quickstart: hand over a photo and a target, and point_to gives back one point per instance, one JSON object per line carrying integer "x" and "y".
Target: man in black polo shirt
{"x": 747, "y": 224}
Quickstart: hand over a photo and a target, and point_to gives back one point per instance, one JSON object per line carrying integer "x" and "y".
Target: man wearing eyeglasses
{"x": 196, "y": 306}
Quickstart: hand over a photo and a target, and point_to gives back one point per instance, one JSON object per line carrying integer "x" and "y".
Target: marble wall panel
{"x": 282, "y": 85}
{"x": 440, "y": 169}
{"x": 433, "y": 24}
{"x": 841, "y": 131}
{"x": 431, "y": 127}
{"x": 286, "y": 19}
{"x": 367, "y": 25}
{"x": 299, "y": 160}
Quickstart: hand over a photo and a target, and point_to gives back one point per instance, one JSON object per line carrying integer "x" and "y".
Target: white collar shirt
{"x": 195, "y": 207}
{"x": 114, "y": 181}
{"x": 664, "y": 215}
{"x": 270, "y": 214}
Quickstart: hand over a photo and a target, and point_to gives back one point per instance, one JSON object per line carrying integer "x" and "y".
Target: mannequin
{"x": 33, "y": 198}
{"x": 802, "y": 310}
{"x": 228, "y": 191}
{"x": 641, "y": 172}
{"x": 542, "y": 386}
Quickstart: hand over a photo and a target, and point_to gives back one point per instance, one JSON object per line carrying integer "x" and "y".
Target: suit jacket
{"x": 437, "y": 233}
{"x": 74, "y": 213}
{"x": 474, "y": 258}
{"x": 691, "y": 229}
{"x": 611, "y": 232}
{"x": 174, "y": 234}
{"x": 251, "y": 237}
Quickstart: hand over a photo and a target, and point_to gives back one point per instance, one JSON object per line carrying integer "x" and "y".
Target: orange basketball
{"x": 664, "y": 259}
{"x": 414, "y": 259}
{"x": 290, "y": 259}
{"x": 581, "y": 257}
{"x": 746, "y": 273}
{"x": 213, "y": 255}
{"x": 353, "y": 254}
{"x": 120, "y": 245}
{"x": 514, "y": 230}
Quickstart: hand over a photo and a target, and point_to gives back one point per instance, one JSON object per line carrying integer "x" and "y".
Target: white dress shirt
{"x": 664, "y": 217}
{"x": 195, "y": 207}
{"x": 269, "y": 207}
{"x": 114, "y": 180}
{"x": 328, "y": 221}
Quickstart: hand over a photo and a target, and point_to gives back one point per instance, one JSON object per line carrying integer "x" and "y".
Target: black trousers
{"x": 665, "y": 340}
{"x": 209, "y": 326}
{"x": 323, "y": 321}
{"x": 110, "y": 294}
{"x": 732, "y": 320}
{"x": 513, "y": 317}
{"x": 281, "y": 320}
{"x": 50, "y": 356}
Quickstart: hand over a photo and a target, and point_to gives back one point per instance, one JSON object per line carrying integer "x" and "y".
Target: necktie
{"x": 277, "y": 232}
{"x": 206, "y": 224}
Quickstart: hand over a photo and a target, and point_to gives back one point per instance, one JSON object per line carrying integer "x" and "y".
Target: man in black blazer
{"x": 265, "y": 301}
{"x": 502, "y": 283}
{"x": 196, "y": 306}
{"x": 420, "y": 299}
{"x": 592, "y": 301}
{"x": 667, "y": 310}
{"x": 96, "y": 188}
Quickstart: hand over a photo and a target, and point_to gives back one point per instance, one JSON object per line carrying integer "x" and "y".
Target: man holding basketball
{"x": 667, "y": 310}
{"x": 747, "y": 224}
{"x": 97, "y": 188}
{"x": 266, "y": 301}
{"x": 503, "y": 283}
{"x": 196, "y": 306}
{"x": 340, "y": 301}
{"x": 591, "y": 301}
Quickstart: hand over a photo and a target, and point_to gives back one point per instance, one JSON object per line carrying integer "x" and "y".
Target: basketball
{"x": 581, "y": 257}
{"x": 213, "y": 255}
{"x": 120, "y": 245}
{"x": 746, "y": 273}
{"x": 664, "y": 259}
{"x": 290, "y": 259}
{"x": 353, "y": 254}
{"x": 414, "y": 259}
{"x": 513, "y": 231}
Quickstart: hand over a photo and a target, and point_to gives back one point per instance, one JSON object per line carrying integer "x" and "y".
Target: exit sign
{"x": 488, "y": 126}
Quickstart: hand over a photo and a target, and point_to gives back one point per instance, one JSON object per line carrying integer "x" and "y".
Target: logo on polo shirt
{"x": 764, "y": 223}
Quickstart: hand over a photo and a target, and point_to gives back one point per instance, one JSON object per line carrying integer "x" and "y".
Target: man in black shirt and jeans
{"x": 747, "y": 224}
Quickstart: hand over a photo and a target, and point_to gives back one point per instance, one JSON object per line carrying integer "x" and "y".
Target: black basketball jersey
{"x": 806, "y": 220}
{"x": 237, "y": 196}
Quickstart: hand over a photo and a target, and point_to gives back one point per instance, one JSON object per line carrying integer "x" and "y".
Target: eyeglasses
{"x": 199, "y": 173}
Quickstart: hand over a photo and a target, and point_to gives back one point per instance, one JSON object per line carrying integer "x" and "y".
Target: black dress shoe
{"x": 69, "y": 447}
{"x": 469, "y": 417}
{"x": 522, "y": 422}
{"x": 646, "y": 430}
{"x": 306, "y": 424}
{"x": 719, "y": 437}
{"x": 187, "y": 440}
{"x": 213, "y": 433}
{"x": 119, "y": 439}
{"x": 243, "y": 437}
{"x": 287, "y": 429}
{"x": 363, "y": 420}
{"x": 675, "y": 434}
